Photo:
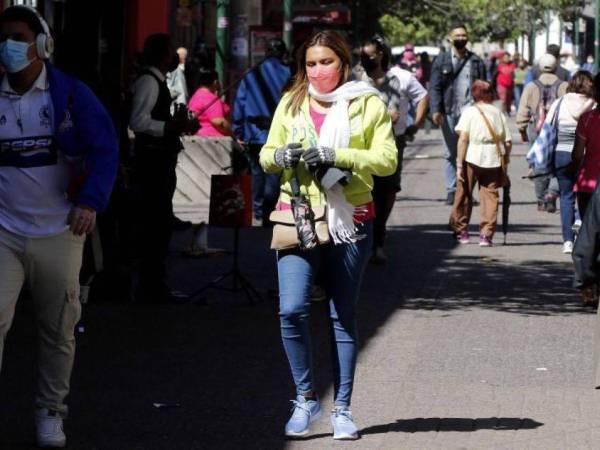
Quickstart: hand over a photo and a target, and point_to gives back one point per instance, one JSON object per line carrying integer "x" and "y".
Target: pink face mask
{"x": 323, "y": 78}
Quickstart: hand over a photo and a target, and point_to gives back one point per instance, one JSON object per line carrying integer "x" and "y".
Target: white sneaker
{"x": 49, "y": 429}
{"x": 568, "y": 247}
{"x": 576, "y": 226}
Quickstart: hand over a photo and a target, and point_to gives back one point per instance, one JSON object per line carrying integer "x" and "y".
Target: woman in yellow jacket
{"x": 327, "y": 121}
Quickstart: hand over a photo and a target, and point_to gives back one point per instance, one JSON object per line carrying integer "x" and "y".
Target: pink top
{"x": 588, "y": 129}
{"x": 363, "y": 212}
{"x": 217, "y": 110}
{"x": 317, "y": 118}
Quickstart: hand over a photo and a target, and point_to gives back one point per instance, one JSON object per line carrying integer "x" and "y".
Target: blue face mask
{"x": 13, "y": 55}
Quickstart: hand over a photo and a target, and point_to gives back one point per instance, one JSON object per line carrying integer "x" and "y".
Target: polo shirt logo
{"x": 45, "y": 116}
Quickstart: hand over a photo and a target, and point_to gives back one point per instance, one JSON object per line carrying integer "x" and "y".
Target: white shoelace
{"x": 299, "y": 408}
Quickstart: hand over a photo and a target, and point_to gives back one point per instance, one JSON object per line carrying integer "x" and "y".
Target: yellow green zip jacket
{"x": 372, "y": 149}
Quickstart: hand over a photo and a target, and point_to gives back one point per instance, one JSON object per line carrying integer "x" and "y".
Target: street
{"x": 462, "y": 347}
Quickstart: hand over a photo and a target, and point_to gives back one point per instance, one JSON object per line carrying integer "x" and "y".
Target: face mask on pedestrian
{"x": 368, "y": 63}
{"x": 13, "y": 55}
{"x": 324, "y": 78}
{"x": 459, "y": 44}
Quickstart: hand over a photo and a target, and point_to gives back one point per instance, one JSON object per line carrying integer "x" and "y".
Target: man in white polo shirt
{"x": 58, "y": 161}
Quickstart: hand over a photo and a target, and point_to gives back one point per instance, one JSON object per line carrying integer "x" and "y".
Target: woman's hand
{"x": 319, "y": 156}
{"x": 288, "y": 156}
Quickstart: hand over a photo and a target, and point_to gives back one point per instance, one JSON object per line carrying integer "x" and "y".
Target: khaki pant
{"x": 489, "y": 180}
{"x": 51, "y": 267}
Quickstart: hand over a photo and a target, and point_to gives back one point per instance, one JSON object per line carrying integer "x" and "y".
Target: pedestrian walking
{"x": 520, "y": 75}
{"x": 578, "y": 100}
{"x": 561, "y": 72}
{"x": 538, "y": 96}
{"x": 342, "y": 124}
{"x": 586, "y": 154}
{"x": 256, "y": 99}
{"x": 484, "y": 148}
{"x": 57, "y": 167}
{"x": 399, "y": 89}
{"x": 452, "y": 75}
{"x": 211, "y": 112}
{"x": 157, "y": 145}
{"x": 505, "y": 82}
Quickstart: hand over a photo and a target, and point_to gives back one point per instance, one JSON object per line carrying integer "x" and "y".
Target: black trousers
{"x": 384, "y": 195}
{"x": 156, "y": 182}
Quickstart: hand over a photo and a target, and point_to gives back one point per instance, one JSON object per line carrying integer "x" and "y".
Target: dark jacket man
{"x": 442, "y": 76}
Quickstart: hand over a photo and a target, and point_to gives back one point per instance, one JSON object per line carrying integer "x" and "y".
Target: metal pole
{"x": 576, "y": 37}
{"x": 547, "y": 20}
{"x": 597, "y": 38}
{"x": 222, "y": 39}
{"x": 288, "y": 26}
{"x": 560, "y": 32}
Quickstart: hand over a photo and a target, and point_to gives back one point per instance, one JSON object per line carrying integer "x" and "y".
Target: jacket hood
{"x": 577, "y": 104}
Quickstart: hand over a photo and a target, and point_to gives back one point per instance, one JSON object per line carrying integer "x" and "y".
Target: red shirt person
{"x": 505, "y": 82}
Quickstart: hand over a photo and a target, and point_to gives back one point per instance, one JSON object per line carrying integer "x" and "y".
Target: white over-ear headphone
{"x": 44, "y": 43}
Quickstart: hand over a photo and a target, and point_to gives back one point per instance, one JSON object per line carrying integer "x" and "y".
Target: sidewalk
{"x": 461, "y": 347}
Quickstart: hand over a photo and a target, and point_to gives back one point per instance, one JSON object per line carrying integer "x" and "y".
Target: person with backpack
{"x": 535, "y": 102}
{"x": 452, "y": 75}
{"x": 255, "y": 102}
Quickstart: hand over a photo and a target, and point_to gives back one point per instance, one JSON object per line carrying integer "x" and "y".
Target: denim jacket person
{"x": 442, "y": 77}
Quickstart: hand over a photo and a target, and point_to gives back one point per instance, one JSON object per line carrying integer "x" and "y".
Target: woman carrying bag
{"x": 578, "y": 100}
{"x": 484, "y": 147}
{"x": 324, "y": 126}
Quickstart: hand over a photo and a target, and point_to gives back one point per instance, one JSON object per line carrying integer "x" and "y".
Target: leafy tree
{"x": 427, "y": 21}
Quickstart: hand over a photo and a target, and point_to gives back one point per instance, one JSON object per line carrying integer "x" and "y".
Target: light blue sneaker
{"x": 304, "y": 412}
{"x": 343, "y": 424}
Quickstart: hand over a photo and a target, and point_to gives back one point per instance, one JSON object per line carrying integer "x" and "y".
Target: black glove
{"x": 319, "y": 156}
{"x": 288, "y": 156}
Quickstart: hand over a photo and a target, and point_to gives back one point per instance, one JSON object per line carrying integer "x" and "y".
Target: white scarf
{"x": 335, "y": 133}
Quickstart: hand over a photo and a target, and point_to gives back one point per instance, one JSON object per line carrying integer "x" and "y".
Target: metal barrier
{"x": 201, "y": 158}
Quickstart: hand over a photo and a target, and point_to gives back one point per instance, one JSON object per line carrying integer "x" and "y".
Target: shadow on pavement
{"x": 453, "y": 424}
{"x": 224, "y": 363}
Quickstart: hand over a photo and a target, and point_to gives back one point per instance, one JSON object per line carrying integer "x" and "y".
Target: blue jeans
{"x": 450, "y": 146}
{"x": 342, "y": 268}
{"x": 566, "y": 182}
{"x": 265, "y": 186}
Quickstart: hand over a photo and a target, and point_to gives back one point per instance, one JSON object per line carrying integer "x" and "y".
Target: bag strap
{"x": 556, "y": 114}
{"x": 493, "y": 133}
{"x": 462, "y": 65}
